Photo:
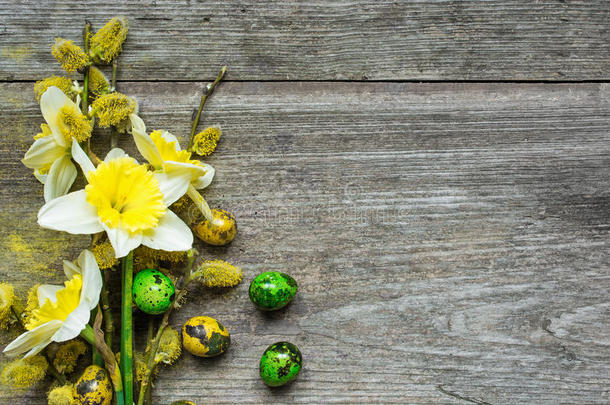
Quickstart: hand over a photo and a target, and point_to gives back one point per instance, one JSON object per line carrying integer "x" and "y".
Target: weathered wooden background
{"x": 450, "y": 237}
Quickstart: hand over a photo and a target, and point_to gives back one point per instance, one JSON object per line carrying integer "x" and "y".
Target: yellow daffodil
{"x": 50, "y": 154}
{"x": 162, "y": 150}
{"x": 63, "y": 311}
{"x": 126, "y": 201}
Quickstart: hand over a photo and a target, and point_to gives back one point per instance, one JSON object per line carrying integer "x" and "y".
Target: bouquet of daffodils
{"x": 140, "y": 217}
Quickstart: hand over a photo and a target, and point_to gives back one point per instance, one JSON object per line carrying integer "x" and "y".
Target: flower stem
{"x": 154, "y": 345}
{"x": 127, "y": 327}
{"x": 115, "y": 375}
{"x": 61, "y": 379}
{"x": 200, "y": 202}
{"x": 207, "y": 92}
{"x": 114, "y": 135}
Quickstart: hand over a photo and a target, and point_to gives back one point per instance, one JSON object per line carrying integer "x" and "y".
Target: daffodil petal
{"x": 173, "y": 185}
{"x": 115, "y": 154}
{"x": 70, "y": 213}
{"x": 122, "y": 241}
{"x": 195, "y": 171}
{"x": 40, "y": 177}
{"x": 172, "y": 234}
{"x": 34, "y": 340}
{"x": 47, "y": 291}
{"x": 144, "y": 143}
{"x": 169, "y": 137}
{"x": 42, "y": 152}
{"x": 61, "y": 177}
{"x": 70, "y": 269}
{"x": 206, "y": 179}
{"x": 92, "y": 278}
{"x": 50, "y": 103}
{"x": 74, "y": 323}
{"x": 79, "y": 155}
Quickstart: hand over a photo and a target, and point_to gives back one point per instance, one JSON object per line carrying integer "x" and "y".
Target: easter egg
{"x": 205, "y": 337}
{"x": 272, "y": 290}
{"x": 93, "y": 387}
{"x": 153, "y": 291}
{"x": 280, "y": 364}
{"x": 218, "y": 232}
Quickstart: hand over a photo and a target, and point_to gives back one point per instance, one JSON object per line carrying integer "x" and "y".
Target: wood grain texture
{"x": 323, "y": 40}
{"x": 450, "y": 240}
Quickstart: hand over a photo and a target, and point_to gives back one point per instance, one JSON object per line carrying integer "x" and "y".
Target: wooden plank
{"x": 450, "y": 240}
{"x": 323, "y": 40}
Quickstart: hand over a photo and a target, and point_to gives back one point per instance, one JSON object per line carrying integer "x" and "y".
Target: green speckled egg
{"x": 280, "y": 364}
{"x": 153, "y": 291}
{"x": 272, "y": 290}
{"x": 93, "y": 387}
{"x": 204, "y": 336}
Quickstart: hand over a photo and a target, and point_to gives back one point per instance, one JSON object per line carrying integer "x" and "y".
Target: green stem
{"x": 115, "y": 67}
{"x": 106, "y": 310}
{"x": 154, "y": 346}
{"x": 127, "y": 327}
{"x": 207, "y": 92}
{"x": 115, "y": 375}
{"x": 114, "y": 135}
{"x": 85, "y": 101}
{"x": 200, "y": 202}
{"x": 61, "y": 379}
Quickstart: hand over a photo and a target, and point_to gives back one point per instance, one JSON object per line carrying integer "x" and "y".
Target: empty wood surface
{"x": 450, "y": 241}
{"x": 323, "y": 39}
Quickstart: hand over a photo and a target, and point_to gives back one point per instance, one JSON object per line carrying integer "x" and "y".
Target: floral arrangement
{"x": 140, "y": 220}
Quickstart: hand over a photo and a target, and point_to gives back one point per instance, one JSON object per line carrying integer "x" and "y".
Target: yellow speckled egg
{"x": 205, "y": 337}
{"x": 218, "y": 232}
{"x": 93, "y": 387}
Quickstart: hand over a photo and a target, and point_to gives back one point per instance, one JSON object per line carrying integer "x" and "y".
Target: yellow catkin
{"x": 104, "y": 255}
{"x": 113, "y": 108}
{"x": 62, "y": 83}
{"x": 61, "y": 395}
{"x": 151, "y": 255}
{"x": 32, "y": 303}
{"x": 7, "y": 300}
{"x": 98, "y": 82}
{"x": 69, "y": 55}
{"x": 206, "y": 141}
{"x": 107, "y": 43}
{"x": 23, "y": 373}
{"x": 218, "y": 273}
{"x": 170, "y": 347}
{"x": 73, "y": 124}
{"x": 67, "y": 355}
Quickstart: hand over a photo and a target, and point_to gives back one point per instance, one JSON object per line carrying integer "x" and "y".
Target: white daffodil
{"x": 162, "y": 150}
{"x": 50, "y": 154}
{"x": 63, "y": 311}
{"x": 126, "y": 201}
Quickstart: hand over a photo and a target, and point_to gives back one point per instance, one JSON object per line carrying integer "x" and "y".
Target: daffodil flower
{"x": 162, "y": 150}
{"x": 63, "y": 310}
{"x": 125, "y": 200}
{"x": 50, "y": 155}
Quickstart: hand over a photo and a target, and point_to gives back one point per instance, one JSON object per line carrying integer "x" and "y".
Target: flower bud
{"x": 205, "y": 142}
{"x": 170, "y": 347}
{"x": 98, "y": 82}
{"x": 104, "y": 255}
{"x": 23, "y": 373}
{"x": 218, "y": 273}
{"x": 107, "y": 43}
{"x": 113, "y": 109}
{"x": 67, "y": 355}
{"x": 61, "y": 395}
{"x": 7, "y": 300}
{"x": 70, "y": 56}
{"x": 62, "y": 83}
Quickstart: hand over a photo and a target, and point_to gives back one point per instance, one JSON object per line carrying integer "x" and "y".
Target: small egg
{"x": 153, "y": 291}
{"x": 93, "y": 387}
{"x": 272, "y": 290}
{"x": 280, "y": 364}
{"x": 205, "y": 337}
{"x": 220, "y": 231}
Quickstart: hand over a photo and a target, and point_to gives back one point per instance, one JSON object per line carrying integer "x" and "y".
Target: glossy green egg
{"x": 153, "y": 291}
{"x": 280, "y": 364}
{"x": 272, "y": 290}
{"x": 93, "y": 387}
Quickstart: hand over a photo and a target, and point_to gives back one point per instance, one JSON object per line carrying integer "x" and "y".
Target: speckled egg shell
{"x": 153, "y": 291}
{"x": 93, "y": 387}
{"x": 280, "y": 364}
{"x": 220, "y": 231}
{"x": 205, "y": 337}
{"x": 272, "y": 290}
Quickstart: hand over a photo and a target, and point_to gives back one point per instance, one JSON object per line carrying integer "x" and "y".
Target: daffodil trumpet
{"x": 125, "y": 200}
{"x": 162, "y": 150}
